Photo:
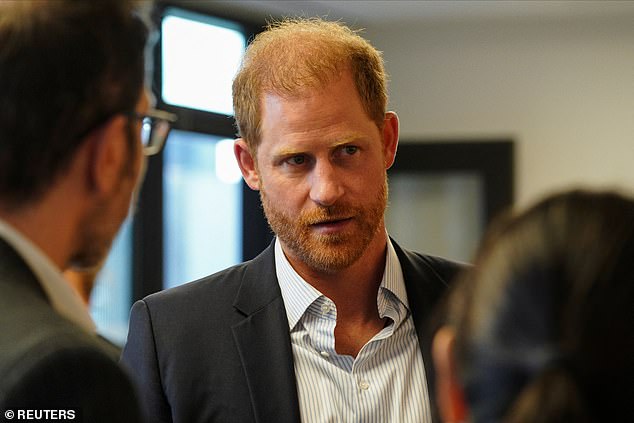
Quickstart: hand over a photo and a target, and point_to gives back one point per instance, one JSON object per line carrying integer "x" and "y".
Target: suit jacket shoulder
{"x": 47, "y": 362}
{"x": 63, "y": 373}
{"x": 217, "y": 349}
{"x": 426, "y": 277}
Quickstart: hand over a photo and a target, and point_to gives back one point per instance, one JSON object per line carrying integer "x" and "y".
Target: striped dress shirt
{"x": 384, "y": 383}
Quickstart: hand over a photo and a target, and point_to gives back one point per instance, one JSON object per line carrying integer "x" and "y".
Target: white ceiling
{"x": 390, "y": 12}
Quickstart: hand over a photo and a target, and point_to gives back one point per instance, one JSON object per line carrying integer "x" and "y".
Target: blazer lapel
{"x": 264, "y": 343}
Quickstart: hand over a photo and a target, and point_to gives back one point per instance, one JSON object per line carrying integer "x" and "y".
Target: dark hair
{"x": 66, "y": 66}
{"x": 545, "y": 320}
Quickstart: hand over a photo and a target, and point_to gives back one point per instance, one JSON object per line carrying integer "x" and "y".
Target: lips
{"x": 331, "y": 221}
{"x": 331, "y": 226}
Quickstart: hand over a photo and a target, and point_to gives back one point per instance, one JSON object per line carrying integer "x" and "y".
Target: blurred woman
{"x": 541, "y": 329}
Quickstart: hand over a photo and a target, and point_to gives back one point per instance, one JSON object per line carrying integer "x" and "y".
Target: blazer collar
{"x": 264, "y": 344}
{"x": 263, "y": 338}
{"x": 259, "y": 287}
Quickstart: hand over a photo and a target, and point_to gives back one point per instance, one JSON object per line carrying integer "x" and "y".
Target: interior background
{"x": 555, "y": 76}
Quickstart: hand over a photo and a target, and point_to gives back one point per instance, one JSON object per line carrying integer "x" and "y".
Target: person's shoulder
{"x": 442, "y": 265}
{"x": 31, "y": 330}
{"x": 57, "y": 365}
{"x": 444, "y": 269}
{"x": 222, "y": 285}
{"x": 68, "y": 372}
{"x": 35, "y": 341}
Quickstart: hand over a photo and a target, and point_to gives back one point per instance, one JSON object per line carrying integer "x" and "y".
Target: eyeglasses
{"x": 155, "y": 126}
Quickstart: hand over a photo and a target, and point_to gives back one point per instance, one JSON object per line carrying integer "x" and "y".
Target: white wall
{"x": 564, "y": 91}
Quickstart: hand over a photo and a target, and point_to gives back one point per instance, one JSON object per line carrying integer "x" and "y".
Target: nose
{"x": 326, "y": 184}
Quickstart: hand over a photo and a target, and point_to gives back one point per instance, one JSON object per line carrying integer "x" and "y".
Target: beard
{"x": 100, "y": 229}
{"x": 328, "y": 252}
{"x": 102, "y": 223}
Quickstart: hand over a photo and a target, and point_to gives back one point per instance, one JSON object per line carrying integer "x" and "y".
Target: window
{"x": 111, "y": 298}
{"x": 195, "y": 215}
{"x": 202, "y": 200}
{"x": 200, "y": 56}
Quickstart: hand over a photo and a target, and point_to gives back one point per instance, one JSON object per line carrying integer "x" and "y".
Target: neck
{"x": 354, "y": 288}
{"x": 48, "y": 223}
{"x": 354, "y": 291}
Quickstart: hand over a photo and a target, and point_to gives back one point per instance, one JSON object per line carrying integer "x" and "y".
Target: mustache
{"x": 327, "y": 214}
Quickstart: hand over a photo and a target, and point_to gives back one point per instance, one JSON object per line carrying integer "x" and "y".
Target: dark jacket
{"x": 49, "y": 363}
{"x": 219, "y": 349}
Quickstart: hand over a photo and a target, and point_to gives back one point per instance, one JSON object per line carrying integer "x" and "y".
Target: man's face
{"x": 102, "y": 225}
{"x": 322, "y": 165}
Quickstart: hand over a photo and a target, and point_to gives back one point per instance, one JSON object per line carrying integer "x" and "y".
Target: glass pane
{"x": 200, "y": 58}
{"x": 202, "y": 206}
{"x": 438, "y": 214}
{"x": 110, "y": 301}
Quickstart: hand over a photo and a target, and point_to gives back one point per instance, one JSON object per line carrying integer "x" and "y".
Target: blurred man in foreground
{"x": 72, "y": 103}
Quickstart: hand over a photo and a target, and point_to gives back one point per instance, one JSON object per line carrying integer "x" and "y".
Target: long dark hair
{"x": 545, "y": 320}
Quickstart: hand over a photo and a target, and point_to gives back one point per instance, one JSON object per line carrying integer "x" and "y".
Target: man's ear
{"x": 390, "y": 138}
{"x": 449, "y": 392}
{"x": 108, "y": 152}
{"x": 247, "y": 163}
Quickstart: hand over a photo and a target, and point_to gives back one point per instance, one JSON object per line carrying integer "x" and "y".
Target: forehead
{"x": 309, "y": 124}
{"x": 336, "y": 102}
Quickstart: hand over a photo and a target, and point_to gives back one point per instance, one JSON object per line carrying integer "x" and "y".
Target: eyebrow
{"x": 348, "y": 140}
{"x": 287, "y": 152}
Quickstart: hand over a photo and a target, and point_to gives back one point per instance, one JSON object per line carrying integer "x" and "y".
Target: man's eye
{"x": 297, "y": 160}
{"x": 351, "y": 149}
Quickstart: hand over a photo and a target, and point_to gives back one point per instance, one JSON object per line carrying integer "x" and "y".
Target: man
{"x": 328, "y": 323}
{"x": 71, "y": 106}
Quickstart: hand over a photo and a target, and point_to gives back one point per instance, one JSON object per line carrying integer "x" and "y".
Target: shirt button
{"x": 324, "y": 354}
{"x": 363, "y": 385}
{"x": 325, "y": 308}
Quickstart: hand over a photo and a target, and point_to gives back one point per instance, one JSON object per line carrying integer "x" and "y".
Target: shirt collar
{"x": 393, "y": 279}
{"x": 64, "y": 299}
{"x": 298, "y": 294}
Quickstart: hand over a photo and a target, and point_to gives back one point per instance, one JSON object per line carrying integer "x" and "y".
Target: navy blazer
{"x": 219, "y": 349}
{"x": 48, "y": 362}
